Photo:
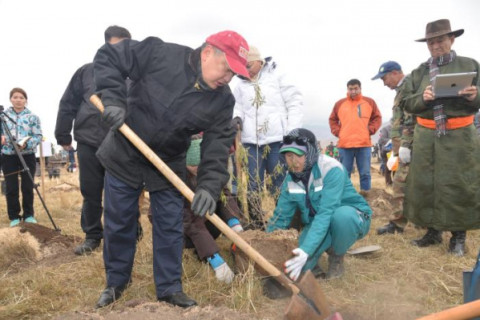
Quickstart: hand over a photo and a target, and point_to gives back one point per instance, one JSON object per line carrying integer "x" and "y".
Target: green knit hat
{"x": 193, "y": 153}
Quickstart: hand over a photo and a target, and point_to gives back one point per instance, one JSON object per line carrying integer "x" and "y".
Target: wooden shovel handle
{"x": 188, "y": 194}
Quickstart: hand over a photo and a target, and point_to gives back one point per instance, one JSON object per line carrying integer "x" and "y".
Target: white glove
{"x": 405, "y": 155}
{"x": 224, "y": 273}
{"x": 294, "y": 266}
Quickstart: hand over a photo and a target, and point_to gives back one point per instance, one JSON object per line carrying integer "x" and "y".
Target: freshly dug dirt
{"x": 49, "y": 247}
{"x": 276, "y": 247}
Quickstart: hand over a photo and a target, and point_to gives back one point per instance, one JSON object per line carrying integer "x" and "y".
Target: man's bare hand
{"x": 428, "y": 94}
{"x": 469, "y": 93}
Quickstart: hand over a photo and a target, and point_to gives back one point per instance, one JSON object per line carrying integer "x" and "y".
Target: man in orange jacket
{"x": 353, "y": 120}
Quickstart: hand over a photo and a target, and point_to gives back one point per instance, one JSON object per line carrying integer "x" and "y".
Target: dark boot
{"x": 87, "y": 247}
{"x": 389, "y": 228}
{"x": 110, "y": 295}
{"x": 432, "y": 237}
{"x": 179, "y": 299}
{"x": 457, "y": 243}
{"x": 336, "y": 269}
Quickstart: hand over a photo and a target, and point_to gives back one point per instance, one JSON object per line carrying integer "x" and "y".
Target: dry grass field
{"x": 45, "y": 280}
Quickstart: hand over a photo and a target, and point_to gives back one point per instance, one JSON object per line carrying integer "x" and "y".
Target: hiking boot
{"x": 432, "y": 237}
{"x": 389, "y": 228}
{"x": 14, "y": 222}
{"x": 335, "y": 266}
{"x": 30, "y": 220}
{"x": 457, "y": 243}
{"x": 87, "y": 247}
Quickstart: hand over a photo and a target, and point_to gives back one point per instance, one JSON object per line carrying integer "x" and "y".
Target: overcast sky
{"x": 320, "y": 44}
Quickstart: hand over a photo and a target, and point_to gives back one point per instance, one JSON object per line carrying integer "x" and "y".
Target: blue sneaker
{"x": 31, "y": 220}
{"x": 14, "y": 222}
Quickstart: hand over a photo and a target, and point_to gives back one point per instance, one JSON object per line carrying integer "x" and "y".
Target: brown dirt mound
{"x": 56, "y": 247}
{"x": 276, "y": 247}
{"x": 47, "y": 236}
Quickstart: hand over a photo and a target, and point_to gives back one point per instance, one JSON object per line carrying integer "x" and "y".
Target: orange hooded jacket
{"x": 353, "y": 121}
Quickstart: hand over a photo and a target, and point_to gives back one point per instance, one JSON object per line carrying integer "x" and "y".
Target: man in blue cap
{"x": 401, "y": 134}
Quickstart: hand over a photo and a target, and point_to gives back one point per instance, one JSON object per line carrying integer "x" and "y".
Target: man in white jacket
{"x": 267, "y": 107}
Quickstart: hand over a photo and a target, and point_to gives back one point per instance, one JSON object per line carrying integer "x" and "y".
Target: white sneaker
{"x": 224, "y": 273}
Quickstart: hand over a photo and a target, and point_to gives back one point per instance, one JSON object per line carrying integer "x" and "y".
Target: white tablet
{"x": 448, "y": 85}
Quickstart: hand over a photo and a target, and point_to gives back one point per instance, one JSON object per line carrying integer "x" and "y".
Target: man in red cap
{"x": 175, "y": 92}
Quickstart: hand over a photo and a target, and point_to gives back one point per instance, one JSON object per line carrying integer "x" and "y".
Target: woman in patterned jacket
{"x": 27, "y": 134}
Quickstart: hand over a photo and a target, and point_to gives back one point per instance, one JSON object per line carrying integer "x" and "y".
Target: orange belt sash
{"x": 452, "y": 123}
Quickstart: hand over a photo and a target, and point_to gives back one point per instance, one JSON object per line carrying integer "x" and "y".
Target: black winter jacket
{"x": 75, "y": 109}
{"x": 167, "y": 103}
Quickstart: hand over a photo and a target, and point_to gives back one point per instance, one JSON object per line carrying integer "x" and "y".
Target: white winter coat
{"x": 281, "y": 111}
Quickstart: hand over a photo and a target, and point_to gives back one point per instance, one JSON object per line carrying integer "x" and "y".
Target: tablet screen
{"x": 448, "y": 85}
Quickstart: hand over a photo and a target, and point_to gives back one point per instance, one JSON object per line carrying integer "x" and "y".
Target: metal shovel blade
{"x": 309, "y": 303}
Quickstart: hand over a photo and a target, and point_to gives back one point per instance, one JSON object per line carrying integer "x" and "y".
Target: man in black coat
{"x": 175, "y": 92}
{"x": 89, "y": 131}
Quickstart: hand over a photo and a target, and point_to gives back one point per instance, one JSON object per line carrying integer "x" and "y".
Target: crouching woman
{"x": 333, "y": 214}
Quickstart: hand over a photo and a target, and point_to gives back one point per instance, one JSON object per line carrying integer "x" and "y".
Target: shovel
{"x": 308, "y": 300}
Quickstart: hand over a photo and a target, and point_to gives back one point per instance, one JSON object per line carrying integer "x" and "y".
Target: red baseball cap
{"x": 235, "y": 48}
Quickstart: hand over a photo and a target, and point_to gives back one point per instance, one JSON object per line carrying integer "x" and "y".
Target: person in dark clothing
{"x": 89, "y": 132}
{"x": 200, "y": 233}
{"x": 175, "y": 92}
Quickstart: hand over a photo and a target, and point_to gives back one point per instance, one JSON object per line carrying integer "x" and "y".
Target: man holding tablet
{"x": 443, "y": 191}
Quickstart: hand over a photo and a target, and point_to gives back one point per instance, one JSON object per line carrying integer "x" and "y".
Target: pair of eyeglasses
{"x": 301, "y": 141}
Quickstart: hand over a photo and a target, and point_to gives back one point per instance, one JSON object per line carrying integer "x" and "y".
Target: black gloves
{"x": 114, "y": 116}
{"x": 237, "y": 123}
{"x": 203, "y": 202}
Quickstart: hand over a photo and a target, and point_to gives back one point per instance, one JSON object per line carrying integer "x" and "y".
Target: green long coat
{"x": 443, "y": 185}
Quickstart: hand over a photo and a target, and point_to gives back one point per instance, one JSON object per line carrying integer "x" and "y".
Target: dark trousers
{"x": 387, "y": 173}
{"x": 92, "y": 176}
{"x": 200, "y": 233}
{"x": 120, "y": 230}
{"x": 11, "y": 170}
{"x": 260, "y": 161}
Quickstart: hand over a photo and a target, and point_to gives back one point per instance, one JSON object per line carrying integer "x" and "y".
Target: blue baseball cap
{"x": 386, "y": 68}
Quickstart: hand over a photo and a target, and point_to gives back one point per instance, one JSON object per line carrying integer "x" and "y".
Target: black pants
{"x": 12, "y": 168}
{"x": 92, "y": 176}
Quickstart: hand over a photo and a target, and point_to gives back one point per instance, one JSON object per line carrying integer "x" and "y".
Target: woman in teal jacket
{"x": 333, "y": 214}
